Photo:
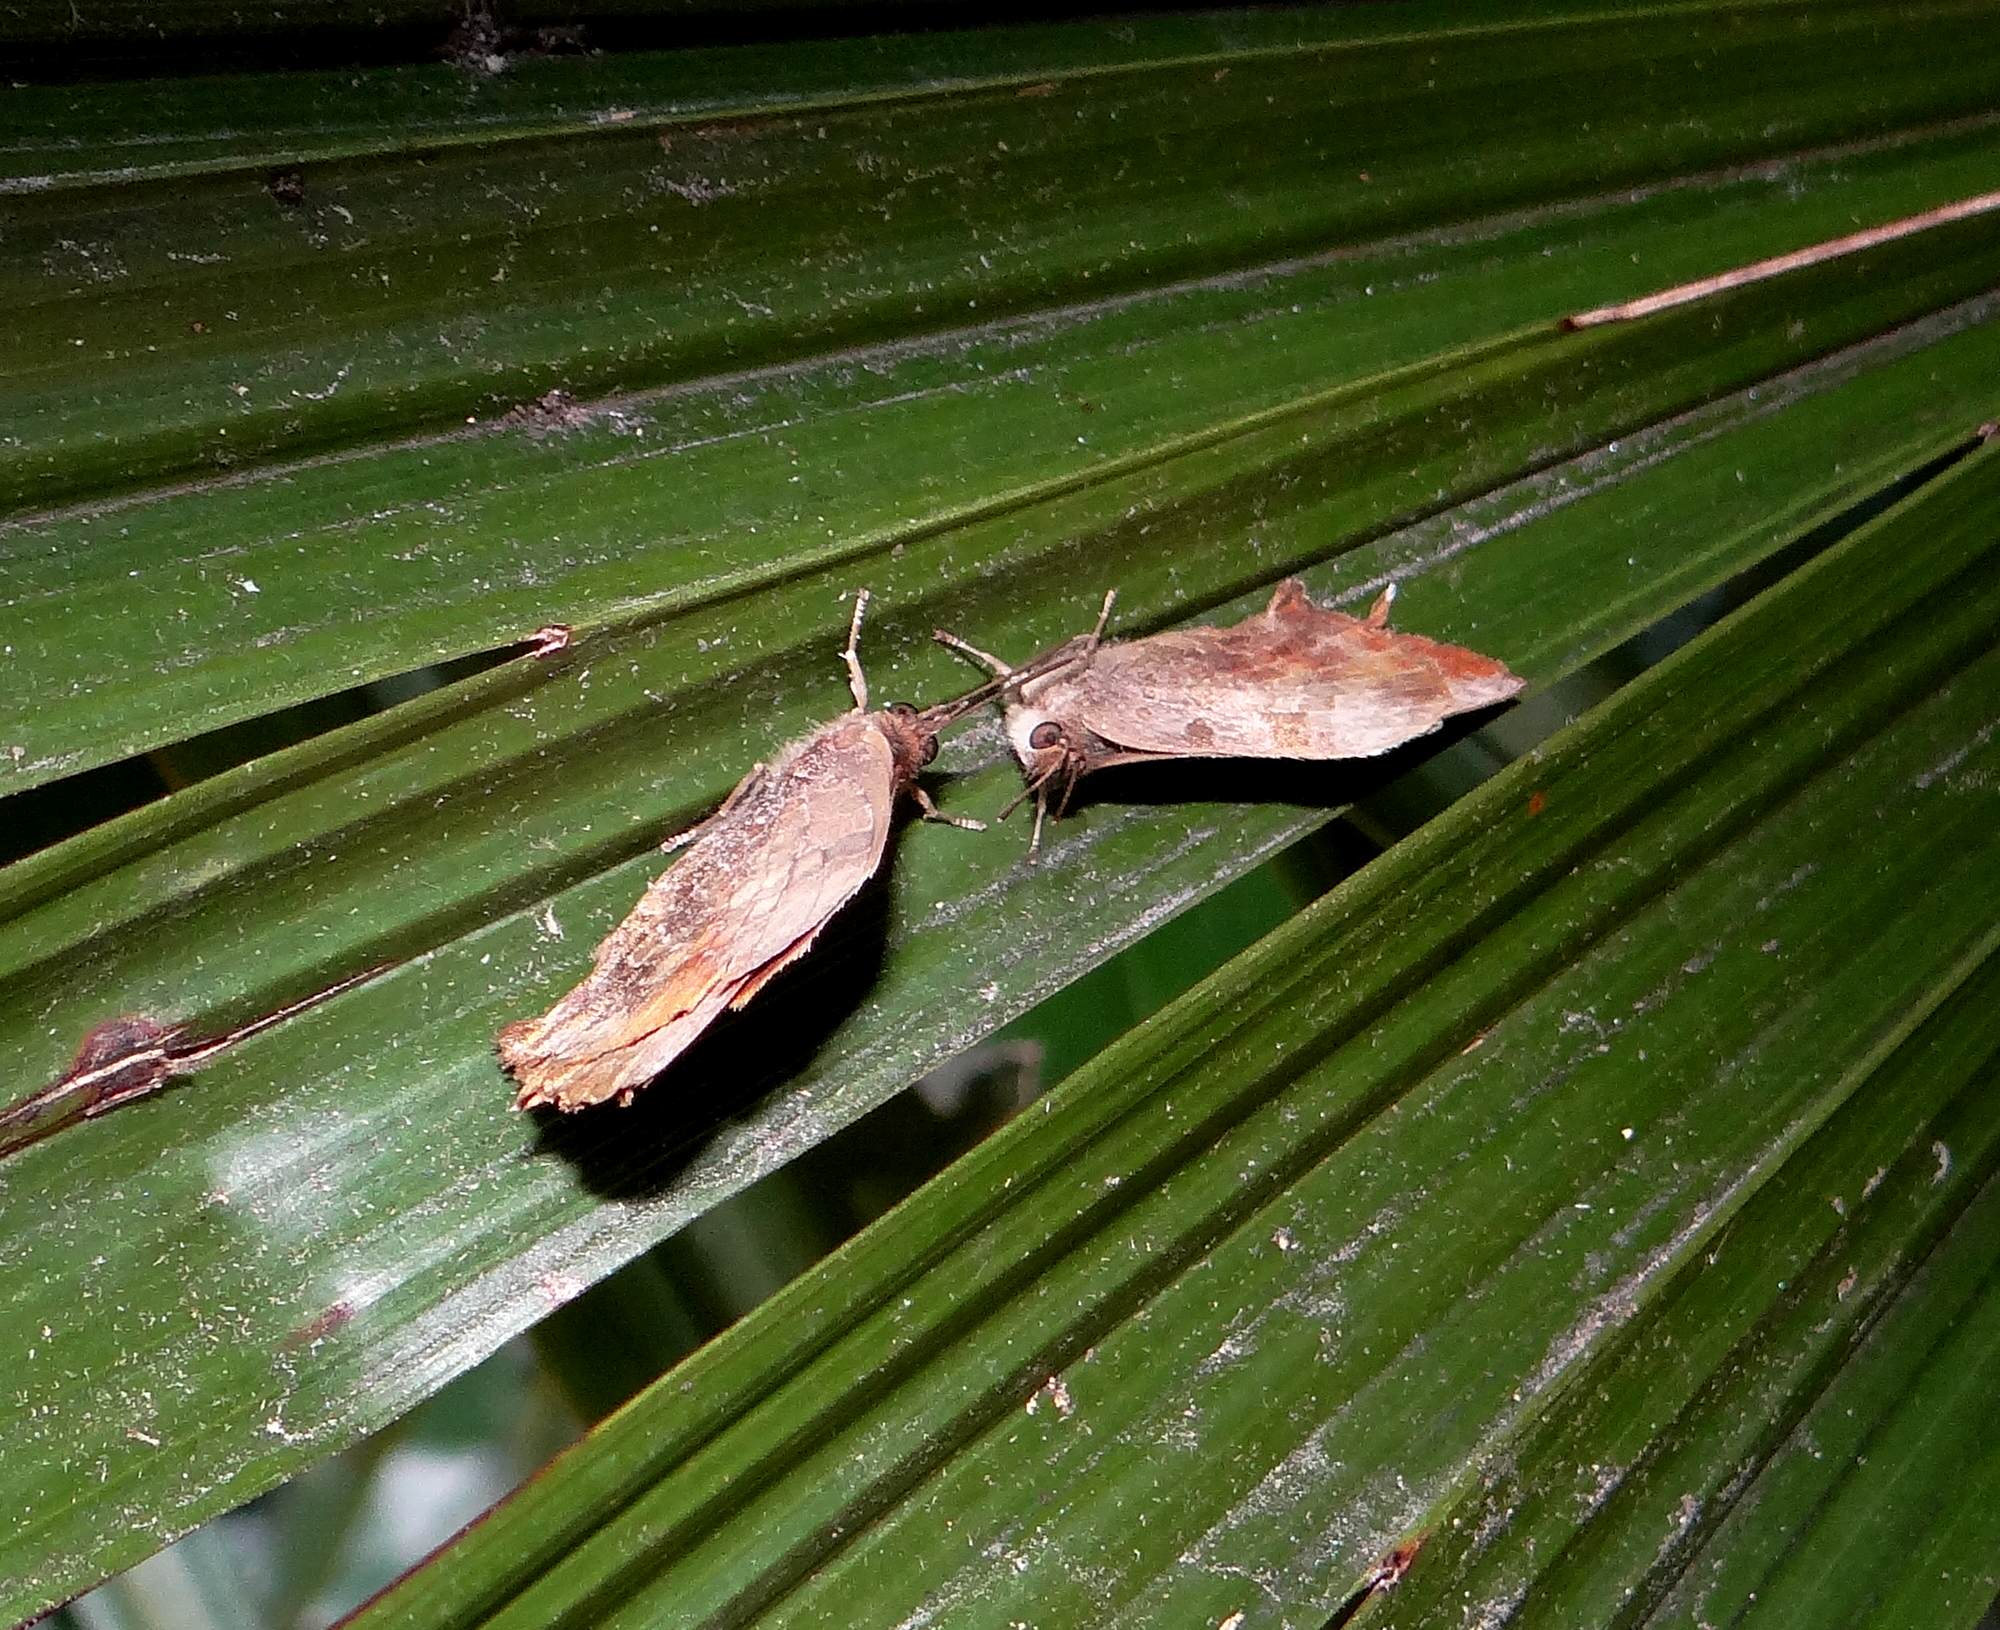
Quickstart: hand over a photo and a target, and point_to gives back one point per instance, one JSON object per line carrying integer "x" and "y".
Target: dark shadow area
{"x": 1344, "y": 1615}
{"x": 620, "y": 1335}
{"x": 639, "y": 1151}
{"x": 46, "y": 815}
{"x": 146, "y": 44}
{"x": 43, "y": 816}
{"x": 1304, "y": 782}
{"x": 1671, "y": 632}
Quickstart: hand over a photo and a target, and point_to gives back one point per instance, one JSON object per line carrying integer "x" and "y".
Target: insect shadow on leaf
{"x": 1294, "y": 681}
{"x": 745, "y": 1055}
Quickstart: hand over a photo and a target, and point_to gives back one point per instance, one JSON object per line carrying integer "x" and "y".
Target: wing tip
{"x": 1289, "y": 599}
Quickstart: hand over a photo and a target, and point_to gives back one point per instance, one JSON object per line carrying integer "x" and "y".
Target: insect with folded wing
{"x": 1295, "y": 680}
{"x": 761, "y": 878}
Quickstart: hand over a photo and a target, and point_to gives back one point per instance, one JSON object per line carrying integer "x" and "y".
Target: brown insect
{"x": 761, "y": 877}
{"x": 1293, "y": 681}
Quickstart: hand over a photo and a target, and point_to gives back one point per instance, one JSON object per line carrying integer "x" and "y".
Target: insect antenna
{"x": 857, "y": 681}
{"x": 986, "y": 659}
{"x": 1095, "y": 637}
{"x": 935, "y": 717}
{"x": 1054, "y": 660}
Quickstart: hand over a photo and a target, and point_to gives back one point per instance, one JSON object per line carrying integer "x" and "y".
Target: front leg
{"x": 931, "y": 812}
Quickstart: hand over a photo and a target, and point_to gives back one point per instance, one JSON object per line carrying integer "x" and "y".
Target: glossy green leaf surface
{"x": 1153, "y": 299}
{"x": 62, "y": 135}
{"x": 359, "y": 1165}
{"x": 1195, "y": 363}
{"x": 1571, "y": 1126}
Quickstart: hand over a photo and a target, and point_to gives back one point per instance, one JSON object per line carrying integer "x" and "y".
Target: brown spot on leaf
{"x": 552, "y": 411}
{"x": 317, "y": 1329}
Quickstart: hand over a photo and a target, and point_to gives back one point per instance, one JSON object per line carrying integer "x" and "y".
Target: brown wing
{"x": 749, "y": 896}
{"x": 1294, "y": 681}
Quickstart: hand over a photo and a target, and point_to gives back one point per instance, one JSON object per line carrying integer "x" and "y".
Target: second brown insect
{"x": 1295, "y": 680}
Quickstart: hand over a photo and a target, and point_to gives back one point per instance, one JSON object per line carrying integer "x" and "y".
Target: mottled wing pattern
{"x": 1293, "y": 681}
{"x": 749, "y": 896}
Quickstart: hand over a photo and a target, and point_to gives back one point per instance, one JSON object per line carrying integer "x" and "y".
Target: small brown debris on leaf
{"x": 130, "y": 1057}
{"x": 1293, "y": 681}
{"x": 548, "y": 414}
{"x": 120, "y": 1056}
{"x": 1537, "y": 802}
{"x": 319, "y": 1327}
{"x": 1390, "y": 1571}
{"x": 119, "y": 1060}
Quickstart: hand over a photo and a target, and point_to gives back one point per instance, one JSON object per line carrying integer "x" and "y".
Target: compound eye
{"x": 902, "y": 710}
{"x": 930, "y": 749}
{"x": 1046, "y": 734}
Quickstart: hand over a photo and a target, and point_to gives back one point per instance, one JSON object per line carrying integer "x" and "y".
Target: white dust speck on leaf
{"x": 1056, "y": 1390}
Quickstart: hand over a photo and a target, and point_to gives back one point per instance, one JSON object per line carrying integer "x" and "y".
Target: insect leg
{"x": 1041, "y": 813}
{"x": 1069, "y": 771}
{"x": 932, "y": 813}
{"x": 742, "y": 790}
{"x": 857, "y": 681}
{"x": 1034, "y": 789}
{"x": 1019, "y": 799}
